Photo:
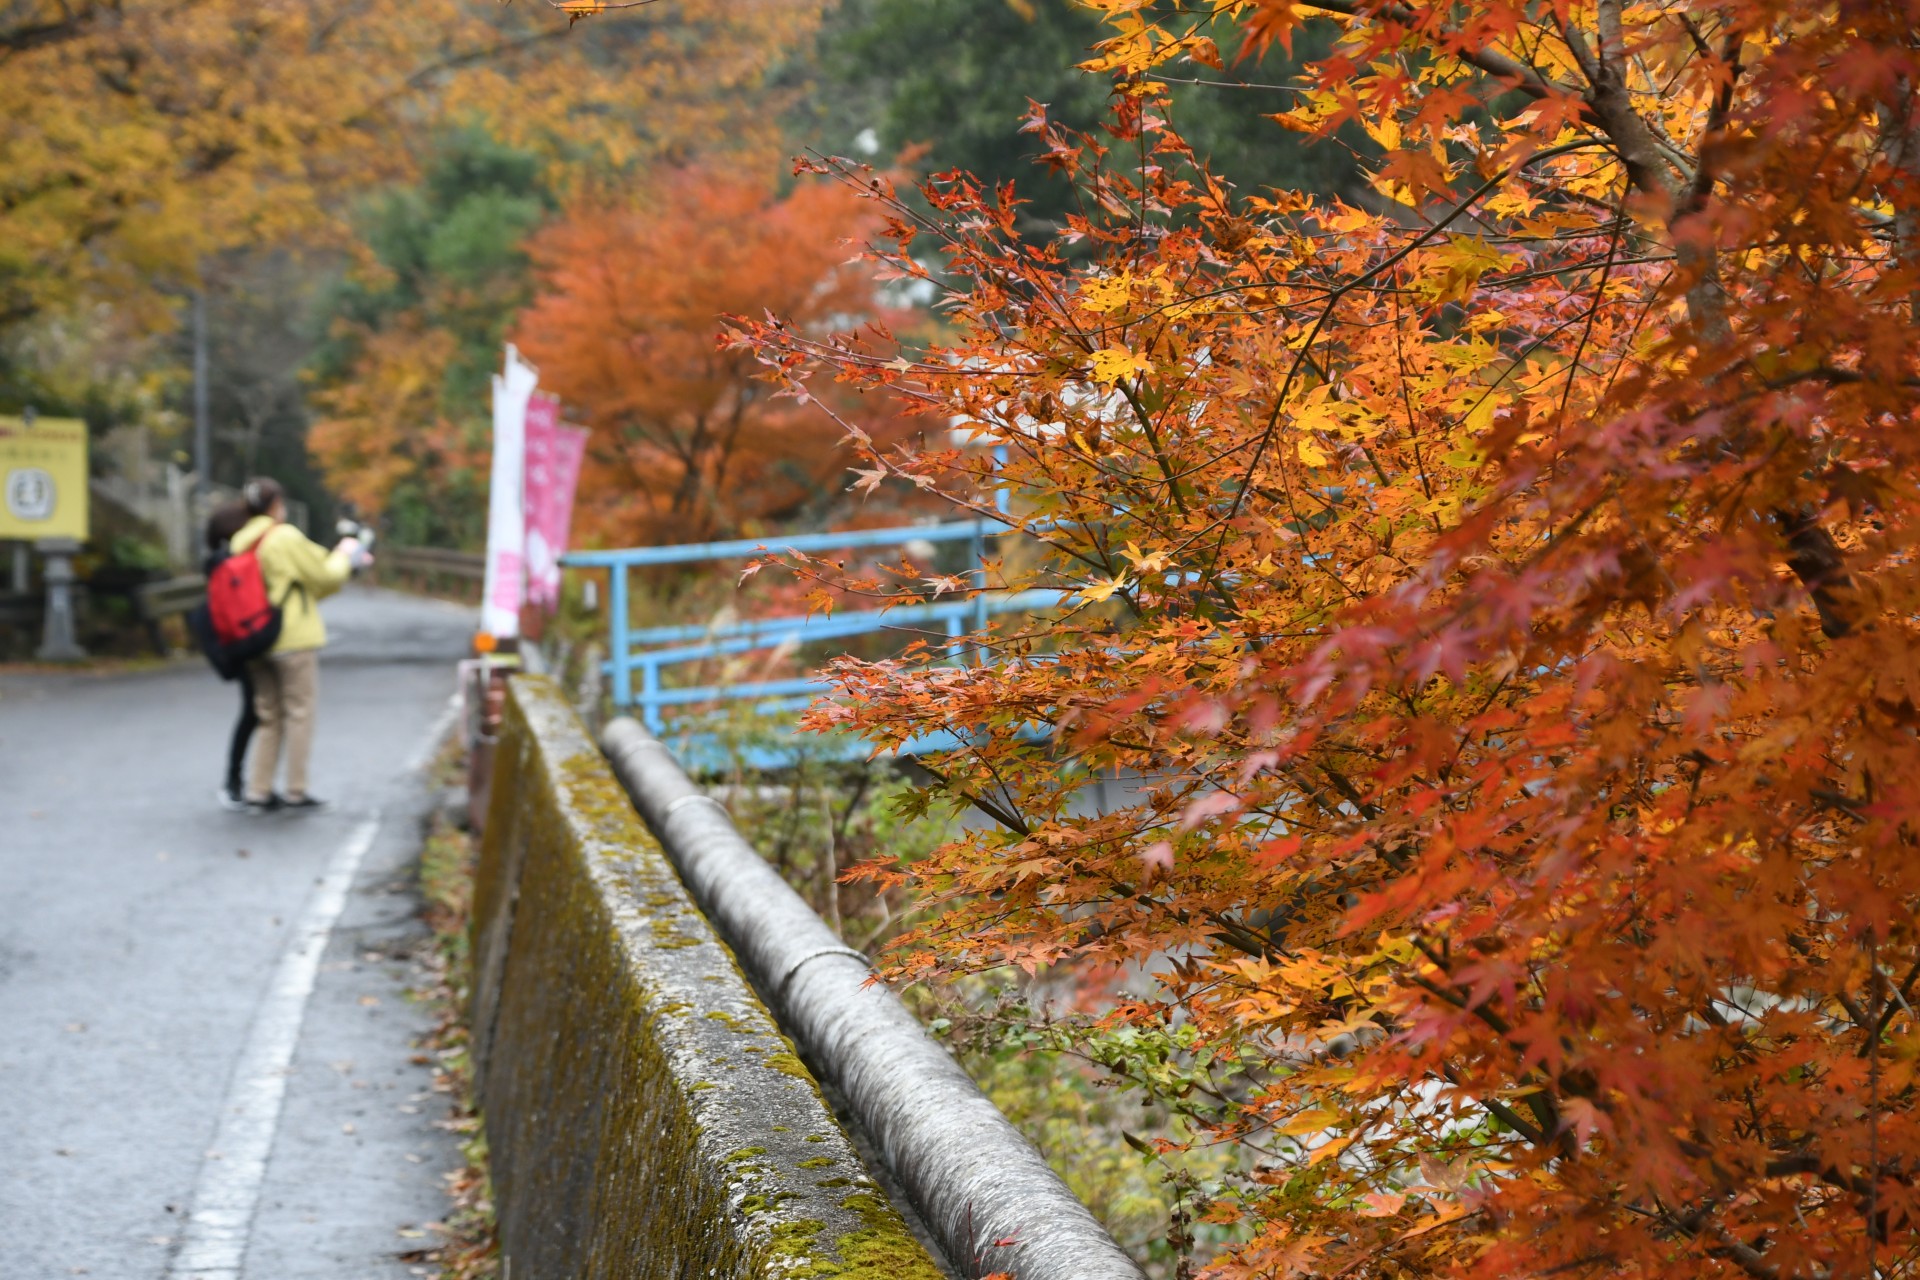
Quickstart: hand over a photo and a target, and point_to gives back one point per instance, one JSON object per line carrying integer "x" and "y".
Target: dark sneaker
{"x": 231, "y": 801}
{"x": 305, "y": 804}
{"x": 272, "y": 804}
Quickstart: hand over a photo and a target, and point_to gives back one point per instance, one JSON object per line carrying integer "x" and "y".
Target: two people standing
{"x": 282, "y": 687}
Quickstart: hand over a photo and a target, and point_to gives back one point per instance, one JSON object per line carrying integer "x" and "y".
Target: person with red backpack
{"x": 264, "y": 607}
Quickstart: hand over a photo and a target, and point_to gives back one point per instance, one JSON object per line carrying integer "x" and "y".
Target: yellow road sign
{"x": 43, "y": 478}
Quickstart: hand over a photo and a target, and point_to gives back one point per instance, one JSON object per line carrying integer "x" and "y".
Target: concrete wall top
{"x": 644, "y": 1115}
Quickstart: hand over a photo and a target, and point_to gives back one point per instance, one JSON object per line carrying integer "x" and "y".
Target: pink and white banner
{"x": 553, "y": 472}
{"x": 506, "y": 520}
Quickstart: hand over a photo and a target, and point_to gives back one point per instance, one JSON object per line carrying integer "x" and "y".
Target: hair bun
{"x": 260, "y": 493}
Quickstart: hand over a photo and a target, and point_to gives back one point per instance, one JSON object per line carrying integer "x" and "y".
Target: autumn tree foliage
{"x": 414, "y": 337}
{"x": 688, "y": 443}
{"x": 142, "y": 136}
{"x": 386, "y": 429}
{"x": 1500, "y": 599}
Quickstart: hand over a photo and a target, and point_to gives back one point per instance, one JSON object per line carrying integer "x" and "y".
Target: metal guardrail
{"x": 21, "y": 609}
{"x": 152, "y": 603}
{"x": 648, "y": 651}
{"x": 170, "y": 596}
{"x": 429, "y": 561}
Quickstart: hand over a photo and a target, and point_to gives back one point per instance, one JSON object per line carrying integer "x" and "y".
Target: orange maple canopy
{"x": 688, "y": 443}
{"x": 1504, "y": 596}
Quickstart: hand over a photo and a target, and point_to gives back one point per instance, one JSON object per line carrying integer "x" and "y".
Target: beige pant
{"x": 285, "y": 687}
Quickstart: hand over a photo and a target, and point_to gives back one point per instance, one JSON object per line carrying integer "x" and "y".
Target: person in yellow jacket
{"x": 299, "y": 573}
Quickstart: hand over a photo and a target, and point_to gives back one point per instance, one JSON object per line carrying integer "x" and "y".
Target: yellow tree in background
{"x": 139, "y": 137}
{"x": 385, "y": 423}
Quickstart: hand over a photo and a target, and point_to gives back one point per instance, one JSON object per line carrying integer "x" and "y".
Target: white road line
{"x": 215, "y": 1241}
{"x": 442, "y": 725}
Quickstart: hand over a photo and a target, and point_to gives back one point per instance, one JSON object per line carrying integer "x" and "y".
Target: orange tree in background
{"x": 1504, "y": 597}
{"x": 688, "y": 443}
{"x": 415, "y": 330}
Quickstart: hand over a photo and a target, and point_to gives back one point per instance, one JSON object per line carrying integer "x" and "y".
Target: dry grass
{"x": 467, "y": 1249}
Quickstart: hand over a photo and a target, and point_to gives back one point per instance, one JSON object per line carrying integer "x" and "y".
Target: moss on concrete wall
{"x": 645, "y": 1117}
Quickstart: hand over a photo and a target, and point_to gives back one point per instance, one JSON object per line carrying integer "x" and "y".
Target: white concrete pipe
{"x": 978, "y": 1184}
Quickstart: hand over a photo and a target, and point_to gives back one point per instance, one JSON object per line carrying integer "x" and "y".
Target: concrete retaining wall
{"x": 644, "y": 1115}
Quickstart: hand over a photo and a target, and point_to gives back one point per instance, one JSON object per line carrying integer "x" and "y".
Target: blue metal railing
{"x": 646, "y": 652}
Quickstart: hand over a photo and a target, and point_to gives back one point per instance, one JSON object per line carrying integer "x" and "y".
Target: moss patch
{"x": 788, "y": 1064}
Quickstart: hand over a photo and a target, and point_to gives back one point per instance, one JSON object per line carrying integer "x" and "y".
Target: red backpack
{"x": 245, "y": 621}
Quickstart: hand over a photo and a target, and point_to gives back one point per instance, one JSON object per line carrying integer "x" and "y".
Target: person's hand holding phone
{"x": 357, "y": 555}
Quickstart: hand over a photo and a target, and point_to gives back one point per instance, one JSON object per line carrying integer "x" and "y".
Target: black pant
{"x": 242, "y": 734}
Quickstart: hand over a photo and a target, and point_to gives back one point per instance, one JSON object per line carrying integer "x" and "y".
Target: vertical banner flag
{"x": 506, "y": 513}
{"x": 553, "y": 470}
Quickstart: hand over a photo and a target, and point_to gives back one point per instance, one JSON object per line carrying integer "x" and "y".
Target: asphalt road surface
{"x": 206, "y": 1053}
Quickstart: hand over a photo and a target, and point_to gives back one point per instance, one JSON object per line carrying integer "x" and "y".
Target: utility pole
{"x": 202, "y": 432}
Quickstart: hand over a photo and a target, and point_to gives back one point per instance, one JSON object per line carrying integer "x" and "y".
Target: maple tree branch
{"x": 1816, "y": 559}
{"x": 1225, "y": 84}
{"x": 578, "y": 9}
{"x": 1745, "y": 1256}
{"x": 1326, "y": 314}
{"x": 1825, "y": 1170}
{"x": 1002, "y": 816}
{"x": 1904, "y": 991}
{"x": 1145, "y": 419}
{"x": 470, "y": 56}
{"x": 1545, "y": 1111}
{"x": 1611, "y": 102}
{"x": 1499, "y": 1110}
{"x": 1593, "y": 314}
{"x": 1717, "y": 116}
{"x": 1518, "y": 75}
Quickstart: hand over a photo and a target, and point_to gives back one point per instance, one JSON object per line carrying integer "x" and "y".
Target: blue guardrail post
{"x": 628, "y": 648}
{"x": 617, "y": 648}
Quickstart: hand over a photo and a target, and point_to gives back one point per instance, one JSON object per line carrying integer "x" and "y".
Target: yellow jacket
{"x": 288, "y": 556}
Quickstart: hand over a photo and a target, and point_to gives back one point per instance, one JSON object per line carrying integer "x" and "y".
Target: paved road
{"x": 153, "y": 981}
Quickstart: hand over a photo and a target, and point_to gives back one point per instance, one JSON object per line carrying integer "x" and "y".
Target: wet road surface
{"x": 174, "y": 977}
